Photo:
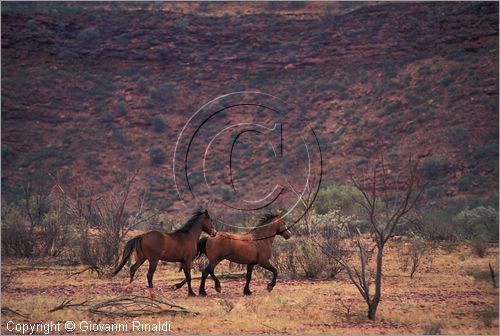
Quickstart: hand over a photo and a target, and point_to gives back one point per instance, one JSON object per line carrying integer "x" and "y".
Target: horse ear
{"x": 206, "y": 212}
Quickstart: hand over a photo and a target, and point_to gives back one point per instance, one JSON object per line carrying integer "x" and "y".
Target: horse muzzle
{"x": 213, "y": 234}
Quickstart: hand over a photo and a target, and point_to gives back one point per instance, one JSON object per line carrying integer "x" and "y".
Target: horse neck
{"x": 195, "y": 231}
{"x": 265, "y": 233}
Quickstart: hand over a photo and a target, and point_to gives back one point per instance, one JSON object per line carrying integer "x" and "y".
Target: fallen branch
{"x": 92, "y": 269}
{"x": 134, "y": 306}
{"x": 67, "y": 304}
{"x": 6, "y": 311}
{"x": 272, "y": 328}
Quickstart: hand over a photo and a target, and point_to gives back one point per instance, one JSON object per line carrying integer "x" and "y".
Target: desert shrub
{"x": 9, "y": 278}
{"x": 302, "y": 257}
{"x": 121, "y": 108}
{"x": 446, "y": 81}
{"x": 107, "y": 117}
{"x": 335, "y": 196}
{"x": 313, "y": 262}
{"x": 479, "y": 246}
{"x": 163, "y": 53}
{"x": 36, "y": 226}
{"x": 465, "y": 183}
{"x": 158, "y": 123}
{"x": 88, "y": 34}
{"x": 432, "y": 328}
{"x": 414, "y": 254}
{"x": 284, "y": 259}
{"x": 142, "y": 85}
{"x": 479, "y": 222}
{"x": 455, "y": 54}
{"x": 484, "y": 157}
{"x": 487, "y": 316}
{"x": 480, "y": 275}
{"x": 157, "y": 155}
{"x": 92, "y": 160}
{"x": 119, "y": 136}
{"x": 296, "y": 4}
{"x": 149, "y": 103}
{"x": 434, "y": 169}
{"x": 433, "y": 225}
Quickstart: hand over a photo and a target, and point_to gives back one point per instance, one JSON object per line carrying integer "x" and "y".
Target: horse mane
{"x": 191, "y": 221}
{"x": 265, "y": 219}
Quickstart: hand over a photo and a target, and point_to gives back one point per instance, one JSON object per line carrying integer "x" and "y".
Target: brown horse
{"x": 178, "y": 246}
{"x": 252, "y": 248}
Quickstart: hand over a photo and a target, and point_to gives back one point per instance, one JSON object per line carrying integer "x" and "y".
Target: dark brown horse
{"x": 252, "y": 248}
{"x": 178, "y": 246}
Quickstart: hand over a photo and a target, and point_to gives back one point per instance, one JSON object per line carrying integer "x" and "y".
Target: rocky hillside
{"x": 90, "y": 89}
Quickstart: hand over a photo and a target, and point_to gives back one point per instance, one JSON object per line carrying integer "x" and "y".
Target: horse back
{"x": 238, "y": 248}
{"x": 172, "y": 247}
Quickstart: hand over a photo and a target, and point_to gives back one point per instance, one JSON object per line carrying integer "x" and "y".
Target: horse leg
{"x": 187, "y": 273}
{"x": 151, "y": 272}
{"x": 246, "y": 290}
{"x": 272, "y": 269}
{"x": 217, "y": 282}
{"x": 180, "y": 284}
{"x": 138, "y": 263}
{"x": 204, "y": 276}
{"x": 209, "y": 270}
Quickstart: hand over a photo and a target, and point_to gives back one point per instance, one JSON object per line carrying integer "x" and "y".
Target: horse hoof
{"x": 270, "y": 287}
{"x": 191, "y": 294}
{"x": 174, "y": 287}
{"x": 246, "y": 293}
{"x": 202, "y": 293}
{"x": 218, "y": 289}
{"x": 128, "y": 289}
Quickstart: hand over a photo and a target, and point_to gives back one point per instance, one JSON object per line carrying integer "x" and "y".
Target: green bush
{"x": 92, "y": 160}
{"x": 88, "y": 34}
{"x": 335, "y": 197}
{"x": 142, "y": 85}
{"x": 434, "y": 169}
{"x": 484, "y": 157}
{"x": 158, "y": 123}
{"x": 391, "y": 108}
{"x": 480, "y": 222}
{"x": 163, "y": 53}
{"x": 465, "y": 183}
{"x": 479, "y": 247}
{"x": 455, "y": 54}
{"x": 488, "y": 316}
{"x": 433, "y": 328}
{"x": 121, "y": 108}
{"x": 157, "y": 155}
{"x": 107, "y": 117}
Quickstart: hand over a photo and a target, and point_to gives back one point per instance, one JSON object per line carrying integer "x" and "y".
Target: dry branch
{"x": 92, "y": 269}
{"x": 67, "y": 304}
{"x": 134, "y": 306}
{"x": 6, "y": 311}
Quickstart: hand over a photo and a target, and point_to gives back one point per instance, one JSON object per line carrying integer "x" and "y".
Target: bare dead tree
{"x": 35, "y": 199}
{"x": 108, "y": 214}
{"x": 103, "y": 222}
{"x": 387, "y": 195}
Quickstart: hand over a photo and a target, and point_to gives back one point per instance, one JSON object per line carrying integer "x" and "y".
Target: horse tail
{"x": 201, "y": 247}
{"x": 132, "y": 244}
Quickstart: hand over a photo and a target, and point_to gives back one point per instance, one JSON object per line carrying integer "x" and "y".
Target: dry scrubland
{"x": 451, "y": 294}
